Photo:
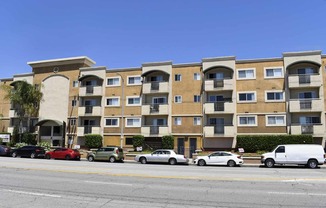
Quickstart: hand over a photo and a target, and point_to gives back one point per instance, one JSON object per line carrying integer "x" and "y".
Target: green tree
{"x": 27, "y": 98}
{"x": 168, "y": 142}
{"x": 93, "y": 140}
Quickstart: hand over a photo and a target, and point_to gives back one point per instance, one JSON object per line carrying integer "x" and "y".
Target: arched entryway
{"x": 52, "y": 131}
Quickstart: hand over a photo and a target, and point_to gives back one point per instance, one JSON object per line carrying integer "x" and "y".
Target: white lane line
{"x": 293, "y": 193}
{"x": 109, "y": 183}
{"x": 32, "y": 193}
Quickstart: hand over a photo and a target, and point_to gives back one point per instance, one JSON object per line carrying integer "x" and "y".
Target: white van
{"x": 300, "y": 154}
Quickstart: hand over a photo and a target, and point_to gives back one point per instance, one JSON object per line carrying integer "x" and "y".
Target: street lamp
{"x": 122, "y": 108}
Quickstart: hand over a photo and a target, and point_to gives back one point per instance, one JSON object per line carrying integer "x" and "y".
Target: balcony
{"x": 154, "y": 131}
{"x": 306, "y": 105}
{"x": 90, "y": 111}
{"x": 83, "y": 130}
{"x": 219, "y": 131}
{"x": 219, "y": 84}
{"x": 155, "y": 87}
{"x": 155, "y": 109}
{"x": 311, "y": 80}
{"x": 90, "y": 91}
{"x": 219, "y": 108}
{"x": 314, "y": 129}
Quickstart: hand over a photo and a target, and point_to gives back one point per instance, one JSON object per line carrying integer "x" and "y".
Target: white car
{"x": 219, "y": 158}
{"x": 162, "y": 156}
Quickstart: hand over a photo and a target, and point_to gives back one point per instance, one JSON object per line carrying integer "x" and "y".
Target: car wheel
{"x": 269, "y": 163}
{"x": 143, "y": 160}
{"x": 90, "y": 158}
{"x": 231, "y": 163}
{"x": 112, "y": 159}
{"x": 32, "y": 155}
{"x": 67, "y": 157}
{"x": 14, "y": 154}
{"x": 312, "y": 164}
{"x": 201, "y": 163}
{"x": 48, "y": 156}
{"x": 172, "y": 161}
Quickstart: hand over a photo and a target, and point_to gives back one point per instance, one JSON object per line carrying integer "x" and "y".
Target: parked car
{"x": 162, "y": 156}
{"x": 310, "y": 155}
{"x": 4, "y": 150}
{"x": 219, "y": 158}
{"x": 111, "y": 154}
{"x": 63, "y": 153}
{"x": 29, "y": 151}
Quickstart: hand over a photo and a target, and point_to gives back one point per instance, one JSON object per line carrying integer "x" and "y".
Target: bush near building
{"x": 93, "y": 140}
{"x": 29, "y": 138}
{"x": 138, "y": 141}
{"x": 268, "y": 142}
{"x": 168, "y": 142}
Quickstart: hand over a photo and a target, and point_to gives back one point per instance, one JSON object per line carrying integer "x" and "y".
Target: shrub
{"x": 138, "y": 141}
{"x": 29, "y": 138}
{"x": 45, "y": 145}
{"x": 168, "y": 142}
{"x": 93, "y": 140}
{"x": 256, "y": 143}
{"x": 19, "y": 145}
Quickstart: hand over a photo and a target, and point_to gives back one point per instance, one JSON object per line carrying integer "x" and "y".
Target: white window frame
{"x": 198, "y": 120}
{"x": 247, "y": 101}
{"x": 118, "y": 122}
{"x": 128, "y": 84}
{"x": 177, "y": 121}
{"x": 74, "y": 102}
{"x": 127, "y": 99}
{"x": 177, "y": 75}
{"x": 165, "y": 99}
{"x": 134, "y": 118}
{"x": 113, "y": 78}
{"x": 196, "y": 74}
{"x": 274, "y": 91}
{"x": 74, "y": 85}
{"x": 274, "y": 77}
{"x": 176, "y": 97}
{"x": 275, "y": 115}
{"x": 106, "y": 101}
{"x": 246, "y": 69}
{"x": 247, "y": 116}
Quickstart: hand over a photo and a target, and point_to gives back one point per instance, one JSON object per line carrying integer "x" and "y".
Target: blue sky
{"x": 122, "y": 34}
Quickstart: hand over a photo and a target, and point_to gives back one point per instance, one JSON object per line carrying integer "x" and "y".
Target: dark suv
{"x": 29, "y": 151}
{"x": 110, "y": 154}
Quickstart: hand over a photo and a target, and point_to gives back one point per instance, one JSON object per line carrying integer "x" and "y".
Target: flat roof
{"x": 62, "y": 61}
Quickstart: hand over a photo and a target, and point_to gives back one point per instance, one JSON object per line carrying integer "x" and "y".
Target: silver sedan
{"x": 162, "y": 156}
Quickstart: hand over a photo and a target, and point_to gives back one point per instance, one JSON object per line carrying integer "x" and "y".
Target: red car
{"x": 63, "y": 153}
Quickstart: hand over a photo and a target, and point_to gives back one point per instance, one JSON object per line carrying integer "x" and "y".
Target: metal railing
{"x": 155, "y": 108}
{"x": 307, "y": 129}
{"x": 88, "y": 109}
{"x": 89, "y": 89}
{"x": 154, "y": 130}
{"x": 155, "y": 85}
{"x": 304, "y": 79}
{"x": 305, "y": 104}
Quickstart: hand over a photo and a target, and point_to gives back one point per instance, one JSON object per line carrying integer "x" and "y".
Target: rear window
{"x": 110, "y": 149}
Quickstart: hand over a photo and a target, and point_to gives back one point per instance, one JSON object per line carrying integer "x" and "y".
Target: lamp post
{"x": 122, "y": 108}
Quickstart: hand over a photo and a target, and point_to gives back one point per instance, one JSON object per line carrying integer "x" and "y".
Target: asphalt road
{"x": 58, "y": 183}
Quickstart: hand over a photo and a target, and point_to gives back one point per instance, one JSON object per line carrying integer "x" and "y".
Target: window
{"x": 309, "y": 120}
{"x": 177, "y": 77}
{"x": 159, "y": 100}
{"x": 129, "y": 141}
{"x": 178, "y": 99}
{"x": 74, "y": 103}
{"x": 280, "y": 149}
{"x": 307, "y": 95}
{"x": 135, "y": 101}
{"x": 113, "y": 101}
{"x": 306, "y": 71}
{"x": 112, "y": 122}
{"x": 133, "y": 122}
{"x": 114, "y": 81}
{"x": 247, "y": 120}
{"x": 274, "y": 96}
{"x": 158, "y": 78}
{"x": 247, "y": 97}
{"x": 196, "y": 98}
{"x": 272, "y": 120}
{"x": 72, "y": 122}
{"x": 177, "y": 121}
{"x": 197, "y": 121}
{"x": 136, "y": 80}
{"x": 75, "y": 83}
{"x": 196, "y": 76}
{"x": 246, "y": 74}
{"x": 274, "y": 72}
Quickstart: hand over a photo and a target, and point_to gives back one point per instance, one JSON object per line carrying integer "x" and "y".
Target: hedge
{"x": 93, "y": 140}
{"x": 138, "y": 141}
{"x": 268, "y": 142}
{"x": 167, "y": 142}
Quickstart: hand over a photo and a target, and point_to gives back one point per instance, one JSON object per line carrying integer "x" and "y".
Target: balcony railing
{"x": 89, "y": 89}
{"x": 155, "y": 85}
{"x": 88, "y": 109}
{"x": 307, "y": 129}
{"x": 305, "y": 104}
{"x": 219, "y": 84}
{"x": 154, "y": 130}
{"x": 304, "y": 79}
{"x": 312, "y": 128}
{"x": 154, "y": 108}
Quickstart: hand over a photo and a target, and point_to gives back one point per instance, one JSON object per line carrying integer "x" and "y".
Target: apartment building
{"x": 203, "y": 105}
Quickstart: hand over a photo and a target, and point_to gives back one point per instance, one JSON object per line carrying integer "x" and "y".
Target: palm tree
{"x": 26, "y": 98}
